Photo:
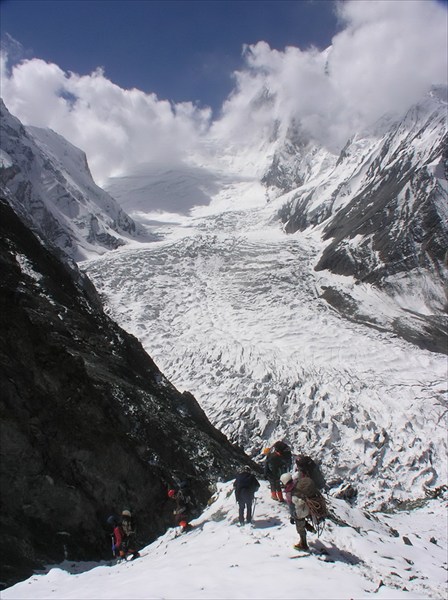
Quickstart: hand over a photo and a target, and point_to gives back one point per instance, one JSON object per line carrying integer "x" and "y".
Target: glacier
{"x": 231, "y": 308}
{"x": 234, "y": 302}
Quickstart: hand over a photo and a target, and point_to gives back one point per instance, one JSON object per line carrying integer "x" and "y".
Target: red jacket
{"x": 118, "y": 535}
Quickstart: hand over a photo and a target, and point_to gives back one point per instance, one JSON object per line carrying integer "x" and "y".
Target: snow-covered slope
{"x": 50, "y": 184}
{"x": 359, "y": 555}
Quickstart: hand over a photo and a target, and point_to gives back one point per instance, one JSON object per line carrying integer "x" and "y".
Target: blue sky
{"x": 181, "y": 50}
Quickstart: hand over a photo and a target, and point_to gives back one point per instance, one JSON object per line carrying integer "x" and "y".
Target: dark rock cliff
{"x": 88, "y": 423}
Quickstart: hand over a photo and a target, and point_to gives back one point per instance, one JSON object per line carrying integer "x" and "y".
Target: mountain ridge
{"x": 49, "y": 182}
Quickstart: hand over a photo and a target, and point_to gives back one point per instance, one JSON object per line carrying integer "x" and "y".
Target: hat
{"x": 285, "y": 478}
{"x": 126, "y": 513}
{"x": 246, "y": 468}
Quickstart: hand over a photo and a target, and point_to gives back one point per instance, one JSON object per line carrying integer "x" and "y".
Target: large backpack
{"x": 281, "y": 447}
{"x": 127, "y": 524}
{"x": 307, "y": 465}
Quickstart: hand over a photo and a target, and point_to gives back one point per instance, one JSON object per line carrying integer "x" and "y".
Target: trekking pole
{"x": 253, "y": 508}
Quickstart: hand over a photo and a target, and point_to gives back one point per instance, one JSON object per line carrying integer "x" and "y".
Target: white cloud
{"x": 389, "y": 53}
{"x": 116, "y": 128}
{"x": 386, "y": 56}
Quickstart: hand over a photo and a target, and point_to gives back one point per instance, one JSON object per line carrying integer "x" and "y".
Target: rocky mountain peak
{"x": 50, "y": 184}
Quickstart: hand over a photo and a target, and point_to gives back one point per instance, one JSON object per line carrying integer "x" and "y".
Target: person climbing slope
{"x": 289, "y": 482}
{"x": 245, "y": 486}
{"x": 278, "y": 460}
{"x": 128, "y": 528}
{"x": 305, "y": 494}
{"x": 117, "y": 537}
{"x": 183, "y": 511}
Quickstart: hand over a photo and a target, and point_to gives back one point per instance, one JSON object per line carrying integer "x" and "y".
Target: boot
{"x": 280, "y": 496}
{"x": 301, "y": 546}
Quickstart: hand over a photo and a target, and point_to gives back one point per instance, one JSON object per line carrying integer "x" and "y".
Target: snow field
{"x": 364, "y": 557}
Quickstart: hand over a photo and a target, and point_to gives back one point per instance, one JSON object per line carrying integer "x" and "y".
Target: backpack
{"x": 307, "y": 465}
{"x": 281, "y": 447}
{"x": 127, "y": 524}
{"x": 247, "y": 481}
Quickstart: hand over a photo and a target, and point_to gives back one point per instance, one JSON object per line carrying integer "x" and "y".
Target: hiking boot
{"x": 280, "y": 497}
{"x": 301, "y": 546}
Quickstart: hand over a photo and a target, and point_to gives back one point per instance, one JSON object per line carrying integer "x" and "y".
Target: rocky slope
{"x": 51, "y": 188}
{"x": 89, "y": 424}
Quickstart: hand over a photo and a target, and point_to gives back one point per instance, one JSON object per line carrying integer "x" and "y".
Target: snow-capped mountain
{"x": 383, "y": 206}
{"x": 240, "y": 302}
{"x": 51, "y": 187}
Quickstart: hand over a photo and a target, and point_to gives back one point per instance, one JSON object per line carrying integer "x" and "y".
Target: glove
{"x": 292, "y": 521}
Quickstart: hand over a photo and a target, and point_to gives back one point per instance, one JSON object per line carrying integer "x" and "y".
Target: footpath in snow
{"x": 359, "y": 555}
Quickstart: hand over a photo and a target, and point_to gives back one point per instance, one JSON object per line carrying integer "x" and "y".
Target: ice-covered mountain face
{"x": 51, "y": 187}
{"x": 383, "y": 207}
{"x": 230, "y": 304}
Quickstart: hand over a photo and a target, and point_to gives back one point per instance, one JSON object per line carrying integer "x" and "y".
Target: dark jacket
{"x": 245, "y": 481}
{"x": 276, "y": 464}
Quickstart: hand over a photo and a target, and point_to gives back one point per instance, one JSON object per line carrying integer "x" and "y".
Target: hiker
{"x": 117, "y": 537}
{"x": 278, "y": 460}
{"x": 128, "y": 528}
{"x": 245, "y": 486}
{"x": 304, "y": 494}
{"x": 184, "y": 506}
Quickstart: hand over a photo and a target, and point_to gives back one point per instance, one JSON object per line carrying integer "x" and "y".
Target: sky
{"x": 138, "y": 82}
{"x": 181, "y": 50}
